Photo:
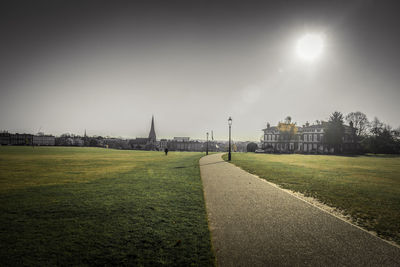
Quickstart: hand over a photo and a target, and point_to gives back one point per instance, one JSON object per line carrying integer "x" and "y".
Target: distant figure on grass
{"x": 166, "y": 151}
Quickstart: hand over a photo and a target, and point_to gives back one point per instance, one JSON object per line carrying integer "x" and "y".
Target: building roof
{"x": 179, "y": 138}
{"x": 139, "y": 140}
{"x": 272, "y": 128}
{"x": 322, "y": 125}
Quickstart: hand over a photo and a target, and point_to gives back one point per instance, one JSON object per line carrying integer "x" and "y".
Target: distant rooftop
{"x": 181, "y": 138}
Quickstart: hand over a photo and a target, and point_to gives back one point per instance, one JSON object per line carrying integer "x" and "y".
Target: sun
{"x": 310, "y": 46}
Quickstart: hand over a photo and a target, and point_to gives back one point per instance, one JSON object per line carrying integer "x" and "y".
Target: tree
{"x": 65, "y": 135}
{"x": 396, "y": 133}
{"x": 360, "y": 122}
{"x": 386, "y": 141}
{"x": 251, "y": 147}
{"x": 334, "y": 131}
{"x": 93, "y": 142}
{"x": 376, "y": 127}
{"x": 383, "y": 139}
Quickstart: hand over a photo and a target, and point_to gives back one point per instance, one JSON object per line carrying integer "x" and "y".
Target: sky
{"x": 107, "y": 67}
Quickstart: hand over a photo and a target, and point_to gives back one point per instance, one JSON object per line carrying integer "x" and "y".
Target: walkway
{"x": 253, "y": 223}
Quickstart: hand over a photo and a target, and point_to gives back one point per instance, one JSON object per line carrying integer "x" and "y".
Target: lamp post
{"x": 207, "y": 145}
{"x": 230, "y": 123}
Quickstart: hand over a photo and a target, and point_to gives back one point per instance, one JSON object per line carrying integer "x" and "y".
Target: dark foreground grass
{"x": 90, "y": 206}
{"x": 365, "y": 187}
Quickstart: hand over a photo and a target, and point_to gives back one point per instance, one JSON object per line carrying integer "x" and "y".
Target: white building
{"x": 306, "y": 139}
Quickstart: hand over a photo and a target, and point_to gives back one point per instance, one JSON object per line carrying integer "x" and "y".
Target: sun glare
{"x": 310, "y": 46}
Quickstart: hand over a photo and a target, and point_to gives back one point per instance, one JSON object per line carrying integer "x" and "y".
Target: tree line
{"x": 371, "y": 136}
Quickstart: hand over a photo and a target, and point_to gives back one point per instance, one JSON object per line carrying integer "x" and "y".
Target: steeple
{"x": 152, "y": 134}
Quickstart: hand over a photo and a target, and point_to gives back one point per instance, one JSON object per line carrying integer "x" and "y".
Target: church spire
{"x": 152, "y": 134}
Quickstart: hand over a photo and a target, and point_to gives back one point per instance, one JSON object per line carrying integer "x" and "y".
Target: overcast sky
{"x": 107, "y": 67}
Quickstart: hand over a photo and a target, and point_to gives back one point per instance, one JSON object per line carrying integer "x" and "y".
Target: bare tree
{"x": 396, "y": 133}
{"x": 360, "y": 122}
{"x": 383, "y": 138}
{"x": 376, "y": 126}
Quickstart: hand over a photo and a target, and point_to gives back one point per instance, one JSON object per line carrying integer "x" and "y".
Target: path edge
{"x": 208, "y": 219}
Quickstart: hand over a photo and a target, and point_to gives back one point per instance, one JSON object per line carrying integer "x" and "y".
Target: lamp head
{"x": 230, "y": 121}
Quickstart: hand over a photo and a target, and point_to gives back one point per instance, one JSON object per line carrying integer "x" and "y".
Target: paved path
{"x": 253, "y": 223}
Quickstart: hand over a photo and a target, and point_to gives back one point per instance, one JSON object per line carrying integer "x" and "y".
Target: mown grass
{"x": 365, "y": 187}
{"x": 91, "y": 206}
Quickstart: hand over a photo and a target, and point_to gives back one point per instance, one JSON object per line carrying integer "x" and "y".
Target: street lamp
{"x": 230, "y": 124}
{"x": 207, "y": 145}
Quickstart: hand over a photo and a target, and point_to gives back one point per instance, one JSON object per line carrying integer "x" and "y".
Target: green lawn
{"x": 365, "y": 187}
{"x": 92, "y": 206}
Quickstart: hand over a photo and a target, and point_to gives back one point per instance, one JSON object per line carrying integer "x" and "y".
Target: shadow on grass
{"x": 382, "y": 155}
{"x": 334, "y": 155}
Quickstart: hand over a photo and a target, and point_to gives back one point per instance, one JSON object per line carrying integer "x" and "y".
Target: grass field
{"x": 92, "y": 206}
{"x": 365, "y": 187}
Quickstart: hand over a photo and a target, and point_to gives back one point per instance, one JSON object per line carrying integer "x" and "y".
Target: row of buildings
{"x": 141, "y": 143}
{"x": 26, "y": 139}
{"x": 175, "y": 144}
{"x": 288, "y": 138}
{"x": 283, "y": 138}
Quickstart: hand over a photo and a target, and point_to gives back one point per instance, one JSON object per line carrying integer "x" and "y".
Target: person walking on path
{"x": 254, "y": 223}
